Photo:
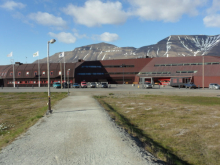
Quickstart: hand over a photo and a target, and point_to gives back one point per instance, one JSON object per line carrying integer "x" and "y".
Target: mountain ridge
{"x": 171, "y": 46}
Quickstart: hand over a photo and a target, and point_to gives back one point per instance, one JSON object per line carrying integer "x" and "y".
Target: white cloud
{"x": 212, "y": 20}
{"x": 67, "y": 38}
{"x": 165, "y": 10}
{"x": 96, "y": 13}
{"x": 213, "y": 17}
{"x": 11, "y": 5}
{"x": 47, "y": 19}
{"x": 77, "y": 35}
{"x": 106, "y": 37}
{"x": 215, "y": 7}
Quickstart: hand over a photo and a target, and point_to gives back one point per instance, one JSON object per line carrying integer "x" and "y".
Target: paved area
{"x": 78, "y": 132}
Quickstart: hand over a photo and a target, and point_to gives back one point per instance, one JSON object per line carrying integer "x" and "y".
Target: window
{"x": 214, "y": 63}
{"x": 27, "y": 73}
{"x": 43, "y": 73}
{"x": 51, "y": 73}
{"x": 68, "y": 72}
{"x": 186, "y": 64}
{"x": 11, "y": 73}
{"x": 59, "y": 72}
{"x": 156, "y": 65}
{"x": 19, "y": 73}
{"x": 35, "y": 73}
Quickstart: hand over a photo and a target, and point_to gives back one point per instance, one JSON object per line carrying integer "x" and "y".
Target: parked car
{"x": 104, "y": 85}
{"x": 214, "y": 86}
{"x": 56, "y": 85}
{"x": 76, "y": 85}
{"x": 65, "y": 85}
{"x": 92, "y": 85}
{"x": 190, "y": 85}
{"x": 147, "y": 85}
{"x": 83, "y": 84}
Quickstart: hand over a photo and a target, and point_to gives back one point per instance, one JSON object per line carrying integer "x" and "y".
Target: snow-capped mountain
{"x": 172, "y": 46}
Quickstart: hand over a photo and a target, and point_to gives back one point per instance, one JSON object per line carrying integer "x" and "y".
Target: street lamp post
{"x": 48, "y": 74}
{"x": 68, "y": 80}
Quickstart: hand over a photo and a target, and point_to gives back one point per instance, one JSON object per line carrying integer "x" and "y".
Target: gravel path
{"x": 79, "y": 132}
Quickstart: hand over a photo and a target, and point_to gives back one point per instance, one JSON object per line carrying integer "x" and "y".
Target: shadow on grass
{"x": 148, "y": 143}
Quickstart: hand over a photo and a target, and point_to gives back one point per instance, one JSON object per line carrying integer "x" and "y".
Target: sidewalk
{"x": 78, "y": 132}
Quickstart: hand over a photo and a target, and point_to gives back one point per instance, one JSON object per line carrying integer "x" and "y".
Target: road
{"x": 78, "y": 132}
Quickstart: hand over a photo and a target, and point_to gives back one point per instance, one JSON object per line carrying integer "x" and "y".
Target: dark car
{"x": 190, "y": 85}
{"x": 92, "y": 85}
{"x": 104, "y": 85}
{"x": 76, "y": 85}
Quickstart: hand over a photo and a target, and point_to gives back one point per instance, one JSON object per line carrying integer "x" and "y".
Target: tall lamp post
{"x": 48, "y": 73}
{"x": 68, "y": 80}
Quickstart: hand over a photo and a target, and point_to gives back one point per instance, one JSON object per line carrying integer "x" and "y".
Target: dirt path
{"x": 78, "y": 132}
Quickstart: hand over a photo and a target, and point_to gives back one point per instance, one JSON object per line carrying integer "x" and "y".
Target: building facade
{"x": 201, "y": 70}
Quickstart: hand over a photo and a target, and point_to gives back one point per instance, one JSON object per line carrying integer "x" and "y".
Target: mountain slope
{"x": 172, "y": 46}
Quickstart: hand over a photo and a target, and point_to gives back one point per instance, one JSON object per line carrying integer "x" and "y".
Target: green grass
{"x": 19, "y": 111}
{"x": 181, "y": 129}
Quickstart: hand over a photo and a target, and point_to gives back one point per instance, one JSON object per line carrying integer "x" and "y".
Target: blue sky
{"x": 27, "y": 25}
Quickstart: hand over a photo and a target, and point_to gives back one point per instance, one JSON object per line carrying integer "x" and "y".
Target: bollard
{"x": 32, "y": 86}
{"x": 159, "y": 86}
{"x": 198, "y": 87}
{"x": 17, "y": 86}
{"x": 2, "y": 86}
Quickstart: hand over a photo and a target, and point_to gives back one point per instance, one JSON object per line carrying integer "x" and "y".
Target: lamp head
{"x": 52, "y": 41}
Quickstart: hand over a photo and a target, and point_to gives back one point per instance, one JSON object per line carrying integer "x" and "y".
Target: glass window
{"x": 186, "y": 64}
{"x": 174, "y": 64}
{"x": 51, "y": 72}
{"x": 11, "y": 73}
{"x": 215, "y": 63}
{"x": 178, "y": 72}
{"x": 168, "y": 64}
{"x": 193, "y": 63}
{"x": 43, "y": 72}
{"x": 156, "y": 65}
{"x": 59, "y": 72}
{"x": 180, "y": 64}
{"x": 27, "y": 73}
{"x": 19, "y": 73}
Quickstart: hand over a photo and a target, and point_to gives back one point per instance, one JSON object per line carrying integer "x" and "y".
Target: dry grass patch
{"x": 187, "y": 127}
{"x": 19, "y": 111}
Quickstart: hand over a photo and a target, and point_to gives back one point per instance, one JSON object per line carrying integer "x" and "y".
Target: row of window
{"x": 32, "y": 82}
{"x": 186, "y": 71}
{"x": 187, "y": 64}
{"x": 108, "y": 66}
{"x": 35, "y": 73}
{"x": 154, "y": 73}
{"x": 85, "y": 66}
{"x": 83, "y": 74}
{"x": 195, "y": 71}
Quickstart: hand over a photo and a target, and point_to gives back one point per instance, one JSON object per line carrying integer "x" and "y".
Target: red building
{"x": 161, "y": 70}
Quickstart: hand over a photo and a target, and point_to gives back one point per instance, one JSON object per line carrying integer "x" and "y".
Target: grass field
{"x": 19, "y": 111}
{"x": 184, "y": 128}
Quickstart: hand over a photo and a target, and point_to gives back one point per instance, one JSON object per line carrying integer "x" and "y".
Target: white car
{"x": 147, "y": 85}
{"x": 214, "y": 86}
